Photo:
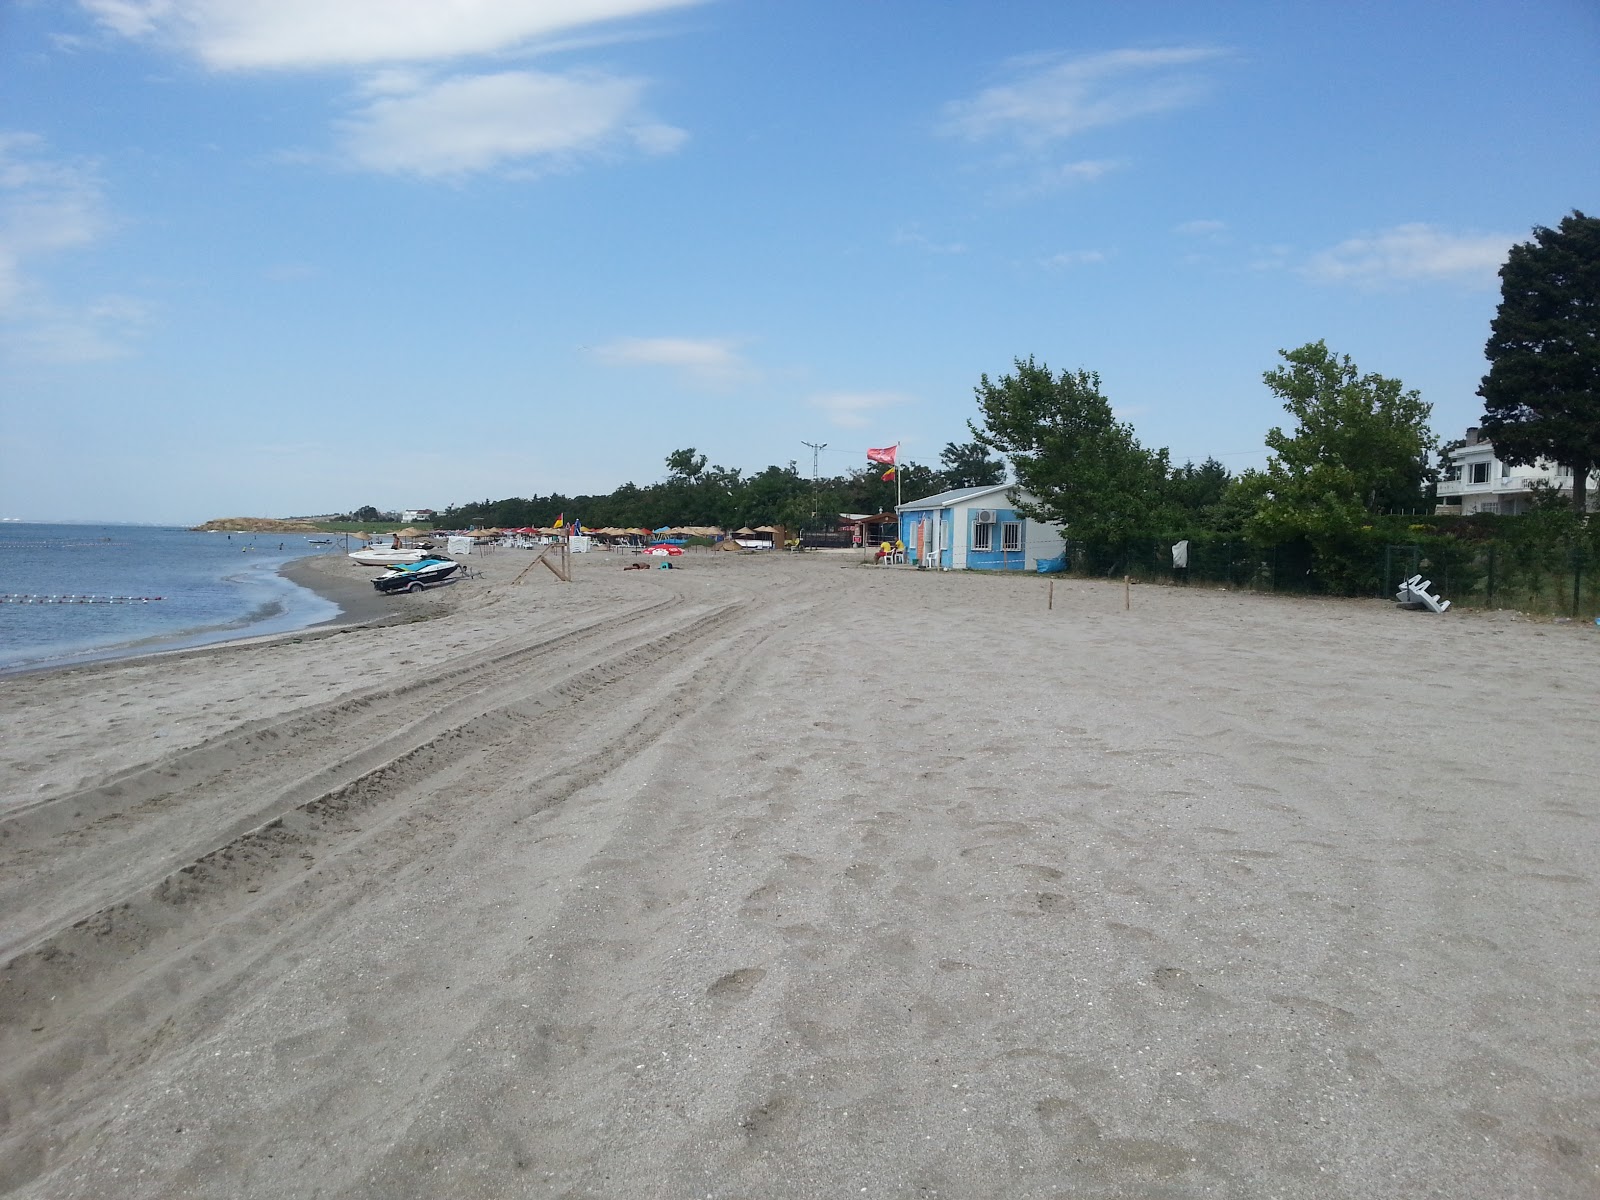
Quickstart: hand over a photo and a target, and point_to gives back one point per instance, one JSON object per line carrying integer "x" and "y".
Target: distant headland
{"x": 257, "y": 525}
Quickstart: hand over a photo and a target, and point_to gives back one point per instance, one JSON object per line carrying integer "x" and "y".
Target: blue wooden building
{"x": 975, "y": 528}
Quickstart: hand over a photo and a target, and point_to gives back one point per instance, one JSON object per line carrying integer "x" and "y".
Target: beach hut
{"x": 976, "y": 528}
{"x": 868, "y": 529}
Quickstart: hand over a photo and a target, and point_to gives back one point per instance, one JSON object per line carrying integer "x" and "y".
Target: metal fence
{"x": 1545, "y": 575}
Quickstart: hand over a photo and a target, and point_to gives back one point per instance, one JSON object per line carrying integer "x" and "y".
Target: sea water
{"x": 212, "y": 587}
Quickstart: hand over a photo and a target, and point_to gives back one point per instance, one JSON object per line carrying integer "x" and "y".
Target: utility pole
{"x": 816, "y": 449}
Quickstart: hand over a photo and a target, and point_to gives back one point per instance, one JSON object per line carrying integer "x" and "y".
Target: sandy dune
{"x": 789, "y": 877}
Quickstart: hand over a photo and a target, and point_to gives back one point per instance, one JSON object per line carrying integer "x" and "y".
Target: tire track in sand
{"x": 155, "y": 820}
{"x": 113, "y": 988}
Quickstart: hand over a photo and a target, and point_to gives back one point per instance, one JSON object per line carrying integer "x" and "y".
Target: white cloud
{"x": 472, "y": 123}
{"x": 88, "y": 333}
{"x": 50, "y": 206}
{"x": 1200, "y": 228}
{"x": 849, "y": 410}
{"x": 708, "y": 360}
{"x": 412, "y": 116}
{"x": 1052, "y": 178}
{"x": 1084, "y": 171}
{"x": 246, "y": 34}
{"x": 47, "y": 205}
{"x": 1049, "y": 99}
{"x": 1412, "y": 253}
{"x": 1075, "y": 258}
{"x": 912, "y": 235}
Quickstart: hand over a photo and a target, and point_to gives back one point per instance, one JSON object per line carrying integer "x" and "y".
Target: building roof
{"x": 955, "y": 496}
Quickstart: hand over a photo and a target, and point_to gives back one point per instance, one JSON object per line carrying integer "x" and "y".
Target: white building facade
{"x": 1475, "y": 481}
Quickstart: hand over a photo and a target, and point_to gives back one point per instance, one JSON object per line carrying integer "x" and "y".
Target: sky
{"x": 285, "y": 258}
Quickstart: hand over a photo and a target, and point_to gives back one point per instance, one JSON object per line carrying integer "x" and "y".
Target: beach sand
{"x": 784, "y": 876}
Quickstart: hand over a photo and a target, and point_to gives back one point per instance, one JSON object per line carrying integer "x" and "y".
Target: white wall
{"x": 1041, "y": 541}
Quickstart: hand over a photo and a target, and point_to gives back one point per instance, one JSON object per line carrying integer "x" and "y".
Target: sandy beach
{"x": 786, "y": 876}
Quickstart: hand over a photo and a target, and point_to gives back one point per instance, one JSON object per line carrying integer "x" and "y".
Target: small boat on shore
{"x": 414, "y": 577}
{"x": 381, "y": 557}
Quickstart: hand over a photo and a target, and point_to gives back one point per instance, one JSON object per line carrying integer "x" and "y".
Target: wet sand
{"x": 777, "y": 876}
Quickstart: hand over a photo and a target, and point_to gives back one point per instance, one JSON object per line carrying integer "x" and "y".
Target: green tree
{"x": 969, "y": 465}
{"x": 1542, "y": 393}
{"x": 1360, "y": 443}
{"x": 1197, "y": 491}
{"x": 1359, "y": 446}
{"x": 685, "y": 464}
{"x": 1085, "y": 468}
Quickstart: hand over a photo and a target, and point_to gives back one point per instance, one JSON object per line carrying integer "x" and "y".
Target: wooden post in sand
{"x": 1051, "y": 602}
{"x": 1127, "y": 592}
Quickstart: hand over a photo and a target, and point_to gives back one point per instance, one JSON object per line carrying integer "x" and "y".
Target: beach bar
{"x": 975, "y": 529}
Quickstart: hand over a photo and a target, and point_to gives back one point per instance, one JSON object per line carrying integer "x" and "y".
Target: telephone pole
{"x": 816, "y": 449}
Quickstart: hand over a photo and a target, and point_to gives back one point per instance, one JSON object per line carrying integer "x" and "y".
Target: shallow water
{"x": 188, "y": 589}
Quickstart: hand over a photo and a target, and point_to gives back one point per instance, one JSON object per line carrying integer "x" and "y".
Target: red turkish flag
{"x": 884, "y": 456}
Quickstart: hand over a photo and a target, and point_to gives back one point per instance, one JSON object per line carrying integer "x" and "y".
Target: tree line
{"x": 1357, "y": 446}
{"x": 696, "y": 492}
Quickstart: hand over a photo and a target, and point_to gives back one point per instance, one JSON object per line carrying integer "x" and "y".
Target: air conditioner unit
{"x": 986, "y": 516}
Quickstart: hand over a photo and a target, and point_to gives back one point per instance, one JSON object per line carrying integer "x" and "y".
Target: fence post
{"x": 1489, "y": 596}
{"x": 1577, "y": 579}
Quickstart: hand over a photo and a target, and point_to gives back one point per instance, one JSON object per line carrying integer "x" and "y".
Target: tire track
{"x": 254, "y": 740}
{"x": 202, "y": 933}
{"x": 246, "y": 801}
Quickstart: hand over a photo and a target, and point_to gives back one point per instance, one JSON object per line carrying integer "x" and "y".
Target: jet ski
{"x": 413, "y": 577}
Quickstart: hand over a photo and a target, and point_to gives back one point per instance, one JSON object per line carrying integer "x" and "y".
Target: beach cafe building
{"x": 975, "y": 528}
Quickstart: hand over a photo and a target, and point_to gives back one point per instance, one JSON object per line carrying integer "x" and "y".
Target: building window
{"x": 1452, "y": 473}
{"x": 1480, "y": 473}
{"x": 1011, "y": 536}
{"x": 1505, "y": 470}
{"x": 983, "y": 537}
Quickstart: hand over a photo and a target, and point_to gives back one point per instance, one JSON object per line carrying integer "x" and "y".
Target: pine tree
{"x": 1542, "y": 393}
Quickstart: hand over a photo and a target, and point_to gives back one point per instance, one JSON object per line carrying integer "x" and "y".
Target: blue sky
{"x": 302, "y": 256}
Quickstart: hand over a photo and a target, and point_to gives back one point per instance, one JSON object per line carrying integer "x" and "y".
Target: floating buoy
{"x": 25, "y": 598}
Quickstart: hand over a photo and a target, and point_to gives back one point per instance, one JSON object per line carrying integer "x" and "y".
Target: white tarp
{"x": 1180, "y": 555}
{"x": 458, "y": 547}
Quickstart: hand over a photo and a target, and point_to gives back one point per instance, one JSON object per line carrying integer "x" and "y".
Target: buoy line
{"x": 22, "y": 598}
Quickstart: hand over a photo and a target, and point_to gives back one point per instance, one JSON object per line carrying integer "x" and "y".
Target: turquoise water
{"x": 214, "y": 587}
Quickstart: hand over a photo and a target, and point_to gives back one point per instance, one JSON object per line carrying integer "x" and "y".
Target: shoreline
{"x": 357, "y": 604}
{"x": 358, "y": 601}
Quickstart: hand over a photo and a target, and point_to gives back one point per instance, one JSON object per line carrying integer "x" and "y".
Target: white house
{"x": 411, "y": 515}
{"x": 1475, "y": 481}
{"x": 975, "y": 528}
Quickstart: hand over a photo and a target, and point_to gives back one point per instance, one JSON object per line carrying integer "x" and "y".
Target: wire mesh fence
{"x": 1554, "y": 574}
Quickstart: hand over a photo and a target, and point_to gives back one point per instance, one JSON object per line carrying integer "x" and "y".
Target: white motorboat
{"x": 374, "y": 556}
